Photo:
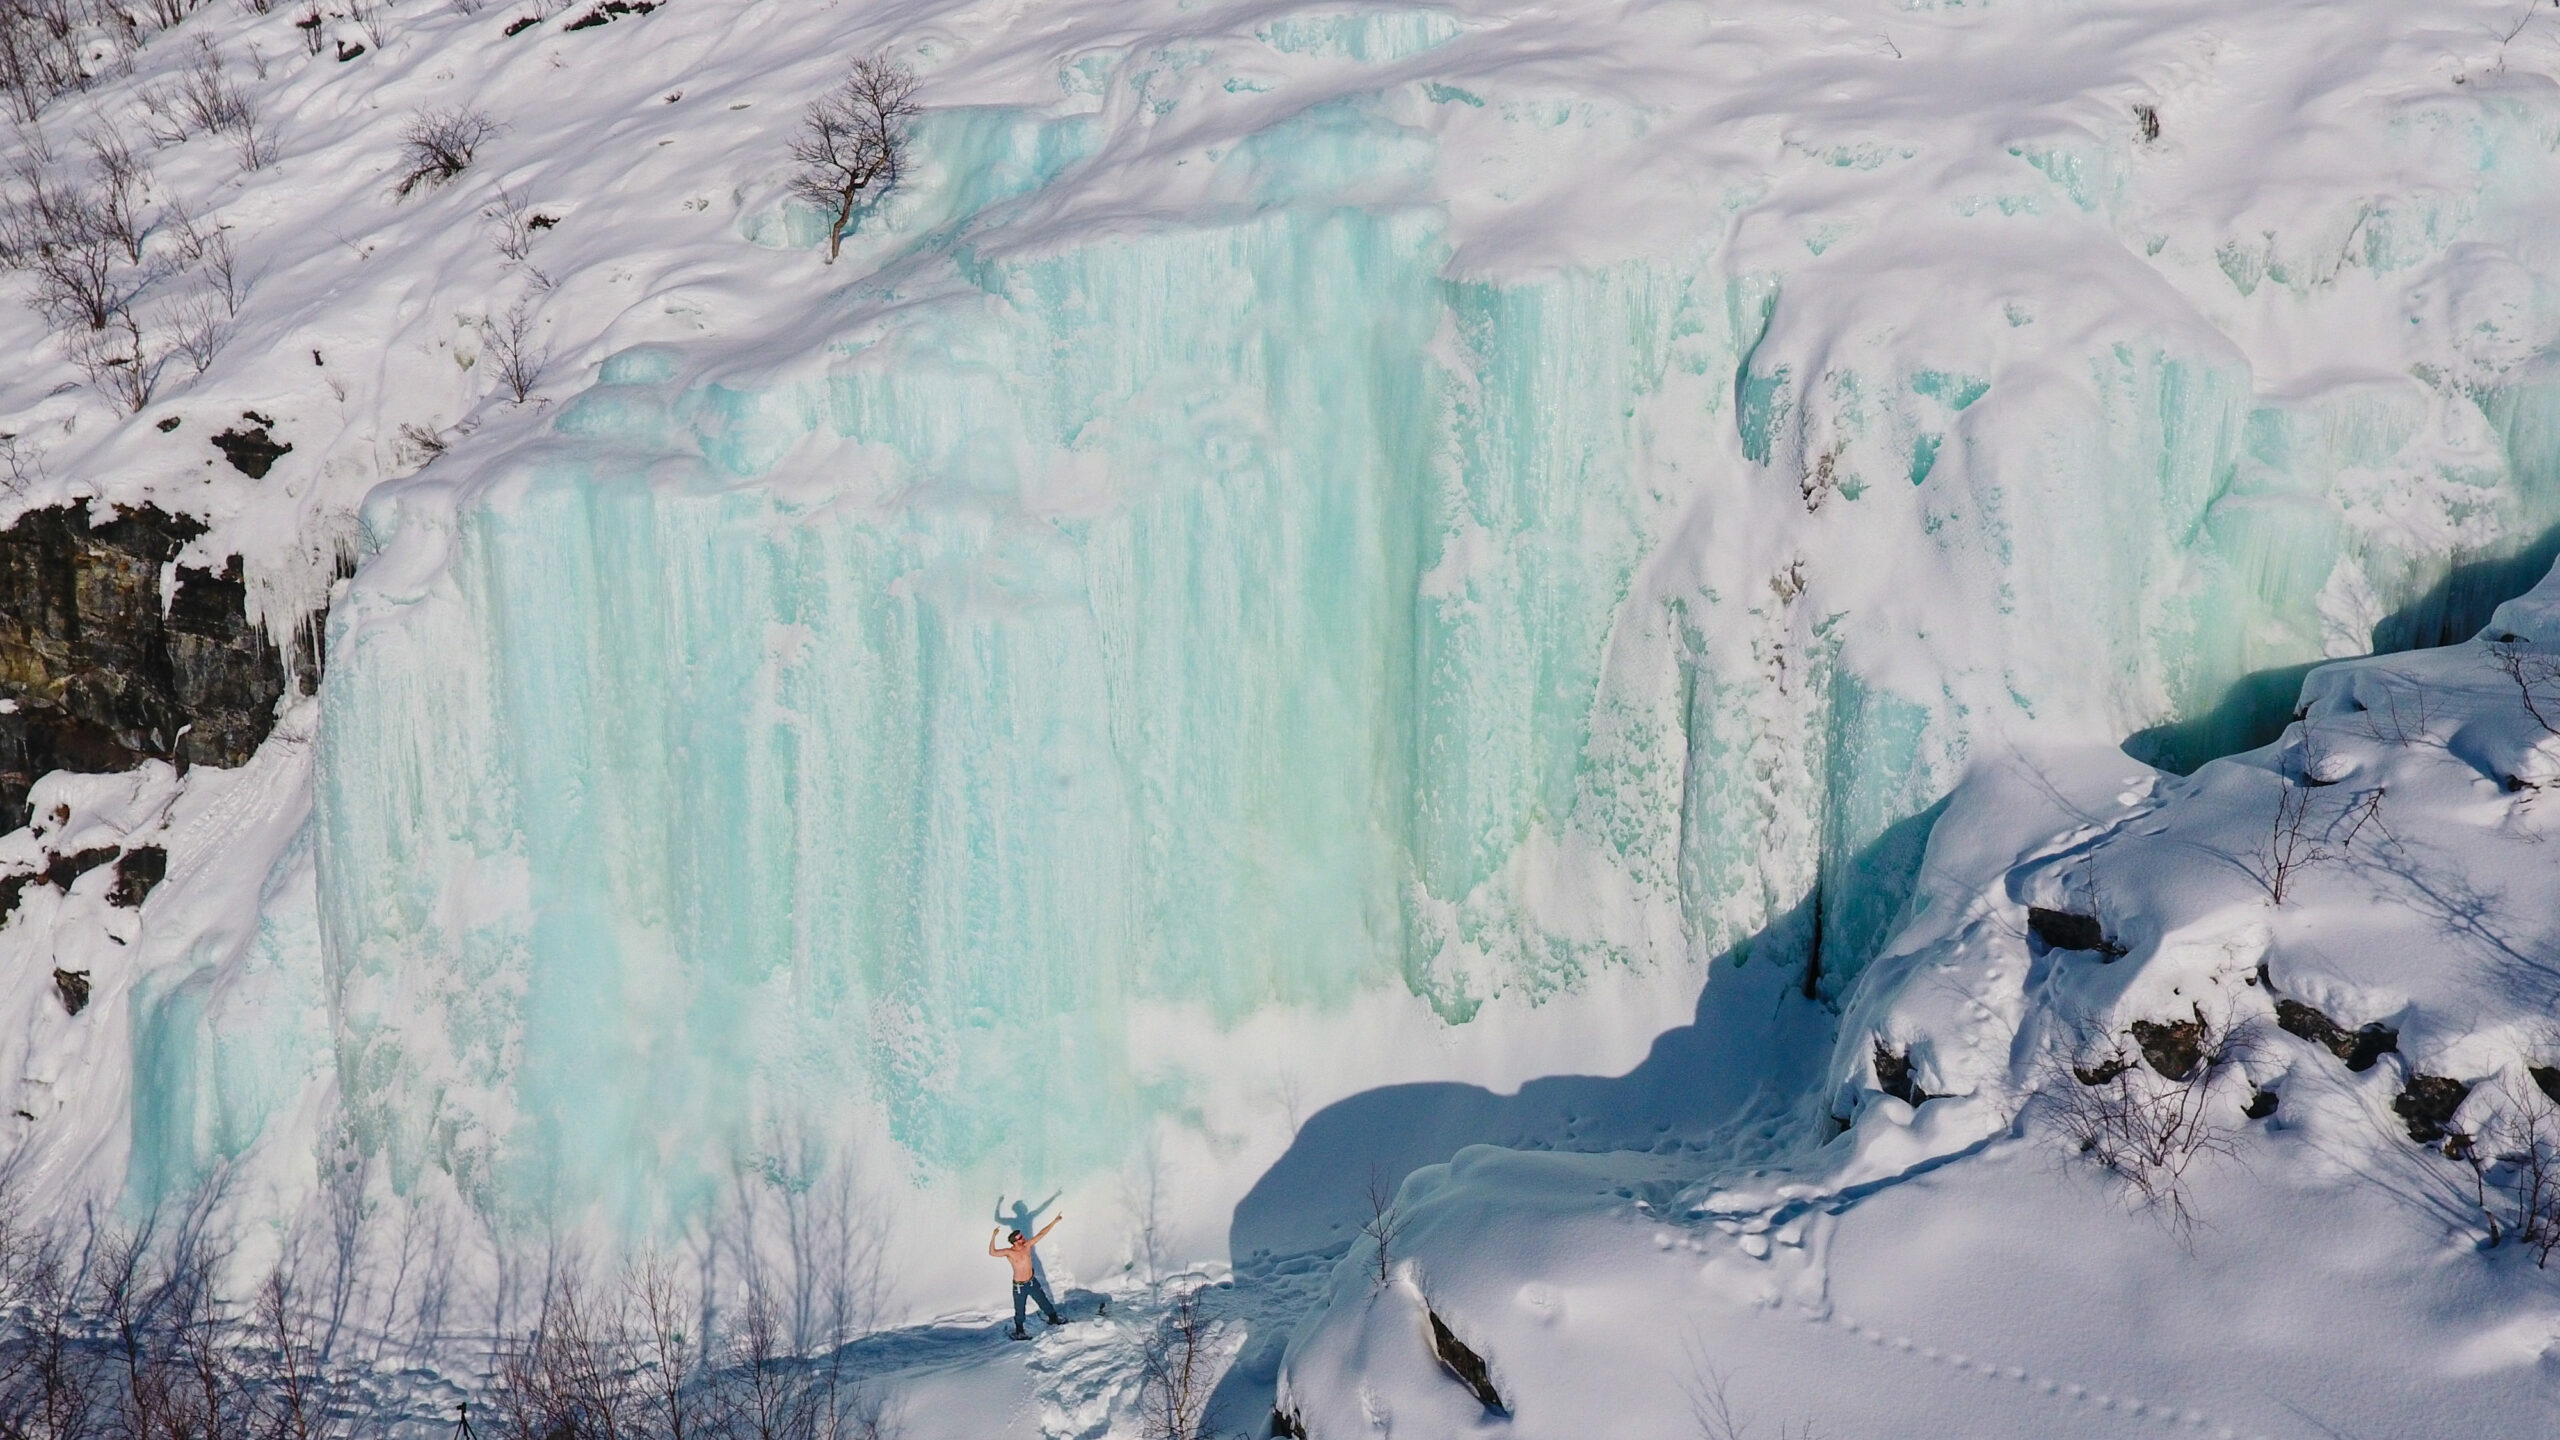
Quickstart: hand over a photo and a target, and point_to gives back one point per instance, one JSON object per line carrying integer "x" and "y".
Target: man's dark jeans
{"x": 1037, "y": 1291}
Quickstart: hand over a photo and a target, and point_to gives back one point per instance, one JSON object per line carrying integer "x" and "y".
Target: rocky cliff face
{"x": 111, "y": 654}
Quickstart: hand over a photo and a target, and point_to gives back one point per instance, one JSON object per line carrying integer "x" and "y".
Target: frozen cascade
{"x": 1238, "y": 615}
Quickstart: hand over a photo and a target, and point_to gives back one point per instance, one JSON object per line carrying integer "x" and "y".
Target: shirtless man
{"x": 1025, "y": 1281}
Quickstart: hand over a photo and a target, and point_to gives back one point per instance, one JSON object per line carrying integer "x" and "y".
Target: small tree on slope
{"x": 853, "y": 141}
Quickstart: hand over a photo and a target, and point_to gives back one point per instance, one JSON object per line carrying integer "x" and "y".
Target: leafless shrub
{"x": 55, "y": 1388}
{"x": 43, "y": 51}
{"x": 209, "y": 250}
{"x": 1143, "y": 1193}
{"x": 291, "y": 1384}
{"x": 467, "y": 7}
{"x": 2290, "y": 846}
{"x": 1177, "y": 1368}
{"x": 198, "y": 329}
{"x": 2515, "y": 1167}
{"x": 206, "y": 98}
{"x": 570, "y": 1377}
{"x": 517, "y": 350}
{"x": 2524, "y": 19}
{"x": 2404, "y": 713}
{"x": 418, "y": 444}
{"x": 762, "y": 1391}
{"x": 511, "y": 227}
{"x": 2536, "y": 677}
{"x": 21, "y": 465}
{"x": 853, "y": 141}
{"x": 669, "y": 1353}
{"x": 1711, "y": 1412}
{"x": 122, "y": 180}
{"x": 438, "y": 145}
{"x": 2148, "y": 1129}
{"x": 60, "y": 234}
{"x": 1386, "y": 1221}
{"x": 369, "y": 16}
{"x": 117, "y": 361}
{"x": 2299, "y": 837}
{"x": 311, "y": 22}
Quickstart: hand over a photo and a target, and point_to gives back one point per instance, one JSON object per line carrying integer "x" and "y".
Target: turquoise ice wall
{"x": 1207, "y": 618}
{"x": 1088, "y": 664}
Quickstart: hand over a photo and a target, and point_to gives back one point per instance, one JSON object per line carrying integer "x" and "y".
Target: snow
{"x": 1304, "y": 585}
{"x": 1961, "y": 1267}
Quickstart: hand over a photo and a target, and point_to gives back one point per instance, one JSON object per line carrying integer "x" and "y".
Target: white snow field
{"x": 1524, "y": 597}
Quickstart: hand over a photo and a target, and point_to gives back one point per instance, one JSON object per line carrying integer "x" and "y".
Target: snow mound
{"x": 2216, "y": 1101}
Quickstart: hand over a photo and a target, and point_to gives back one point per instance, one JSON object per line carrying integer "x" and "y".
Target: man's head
{"x": 1013, "y": 1237}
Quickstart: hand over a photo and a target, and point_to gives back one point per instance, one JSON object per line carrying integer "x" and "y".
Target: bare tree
{"x": 21, "y": 465}
{"x": 2297, "y": 839}
{"x": 1386, "y": 1221}
{"x": 1143, "y": 1194}
{"x": 122, "y": 180}
{"x": 668, "y": 1352}
{"x": 117, "y": 361}
{"x": 1712, "y": 1415}
{"x": 438, "y": 145}
{"x": 209, "y": 102}
{"x": 517, "y": 350}
{"x": 198, "y": 329}
{"x": 2290, "y": 846}
{"x": 43, "y": 51}
{"x": 60, "y": 235}
{"x": 511, "y": 227}
{"x": 2515, "y": 1167}
{"x": 1177, "y": 1370}
{"x": 209, "y": 250}
{"x": 2149, "y": 1129}
{"x": 2405, "y": 714}
{"x": 370, "y": 16}
{"x": 2537, "y": 680}
{"x": 291, "y": 1383}
{"x": 572, "y": 1377}
{"x": 853, "y": 142}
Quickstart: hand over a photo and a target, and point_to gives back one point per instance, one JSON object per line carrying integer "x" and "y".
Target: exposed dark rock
{"x": 610, "y": 11}
{"x": 2175, "y": 1048}
{"x": 1285, "y": 1425}
{"x": 2070, "y": 930}
{"x": 2102, "y": 1072}
{"x": 137, "y": 874}
{"x": 14, "y": 887}
{"x": 2427, "y": 1106}
{"x": 252, "y": 451}
{"x": 2545, "y": 1077}
{"x": 73, "y": 988}
{"x": 2261, "y": 1105}
{"x": 103, "y": 674}
{"x": 1464, "y": 1363}
{"x": 2359, "y": 1047}
{"x": 1893, "y": 1077}
{"x": 67, "y": 868}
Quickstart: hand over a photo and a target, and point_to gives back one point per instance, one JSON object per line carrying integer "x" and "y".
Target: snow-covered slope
{"x": 2235, "y": 1167}
{"x": 1307, "y": 547}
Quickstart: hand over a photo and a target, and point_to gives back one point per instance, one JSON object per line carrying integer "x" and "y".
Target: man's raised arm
{"x": 992, "y": 1247}
{"x": 1045, "y": 1229}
